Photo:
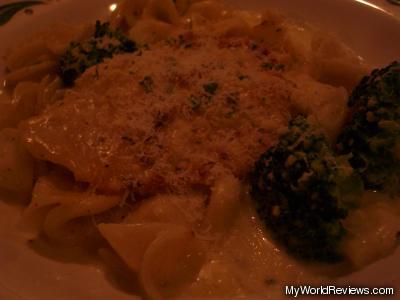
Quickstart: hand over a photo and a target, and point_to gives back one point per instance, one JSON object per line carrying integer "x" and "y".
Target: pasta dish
{"x": 195, "y": 150}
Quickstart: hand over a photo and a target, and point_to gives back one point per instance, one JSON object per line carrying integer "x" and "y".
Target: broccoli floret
{"x": 79, "y": 56}
{"x": 372, "y": 136}
{"x": 303, "y": 191}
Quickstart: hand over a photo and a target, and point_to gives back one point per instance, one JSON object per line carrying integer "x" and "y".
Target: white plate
{"x": 371, "y": 32}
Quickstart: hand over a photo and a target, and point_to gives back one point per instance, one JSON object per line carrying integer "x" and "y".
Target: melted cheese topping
{"x": 168, "y": 117}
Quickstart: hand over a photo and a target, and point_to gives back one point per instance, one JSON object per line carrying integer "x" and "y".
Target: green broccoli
{"x": 372, "y": 136}
{"x": 303, "y": 191}
{"x": 79, "y": 56}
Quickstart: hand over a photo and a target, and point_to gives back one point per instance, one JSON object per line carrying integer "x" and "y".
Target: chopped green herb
{"x": 195, "y": 102}
{"x": 147, "y": 84}
{"x": 128, "y": 139}
{"x": 268, "y": 66}
{"x": 253, "y": 46}
{"x": 211, "y": 88}
{"x": 171, "y": 41}
{"x": 183, "y": 42}
{"x": 232, "y": 101}
{"x": 230, "y": 114}
{"x": 145, "y": 47}
{"x": 273, "y": 66}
